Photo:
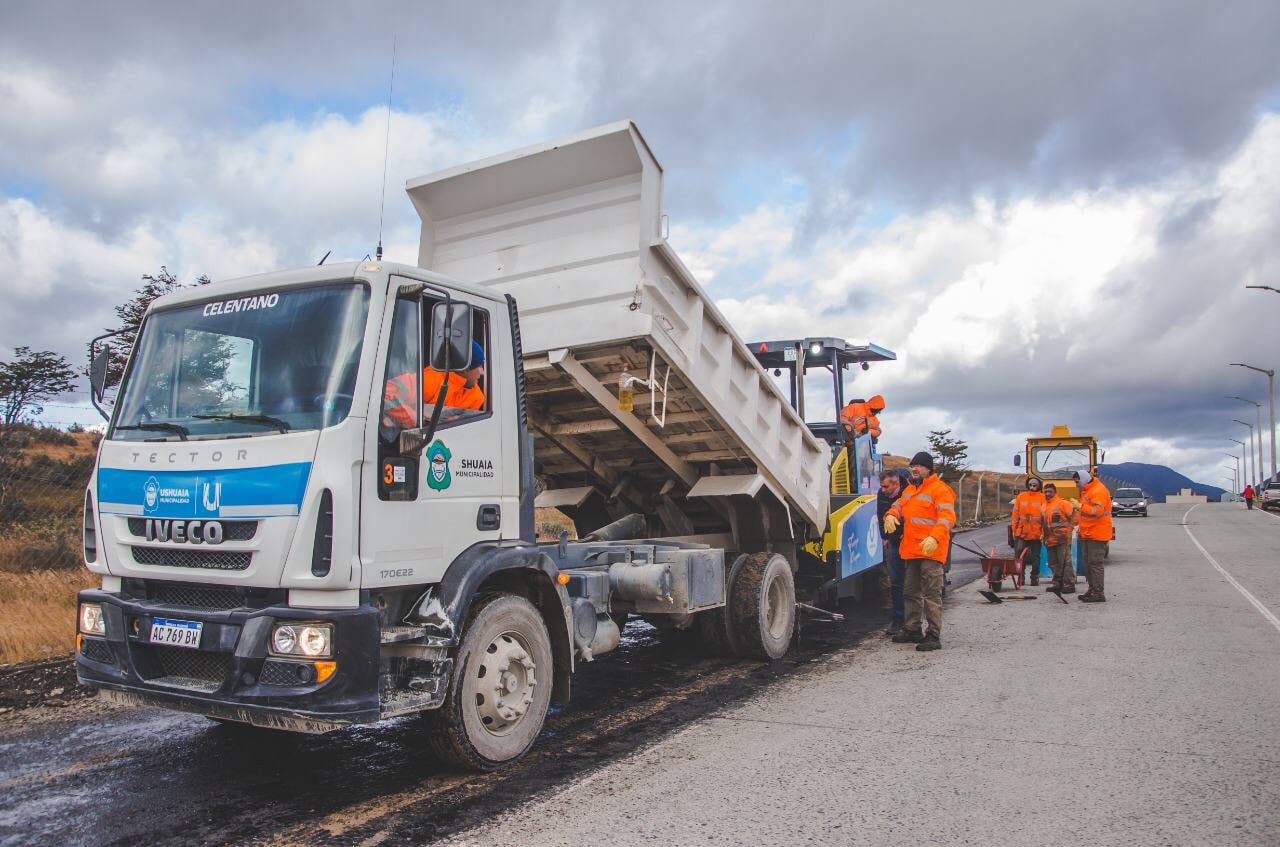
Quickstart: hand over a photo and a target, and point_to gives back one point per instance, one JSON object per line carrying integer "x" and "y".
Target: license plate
{"x": 176, "y": 633}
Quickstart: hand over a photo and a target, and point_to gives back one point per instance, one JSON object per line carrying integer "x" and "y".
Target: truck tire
{"x": 501, "y": 686}
{"x": 762, "y": 607}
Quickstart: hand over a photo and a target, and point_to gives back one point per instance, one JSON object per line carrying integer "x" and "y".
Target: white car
{"x": 1270, "y": 496}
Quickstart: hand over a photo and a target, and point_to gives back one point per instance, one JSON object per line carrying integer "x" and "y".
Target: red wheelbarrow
{"x": 997, "y": 569}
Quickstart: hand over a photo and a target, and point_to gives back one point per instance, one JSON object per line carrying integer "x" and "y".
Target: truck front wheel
{"x": 501, "y": 686}
{"x": 762, "y": 607}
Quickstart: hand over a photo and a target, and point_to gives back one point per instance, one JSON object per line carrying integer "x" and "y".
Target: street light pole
{"x": 1236, "y": 478}
{"x": 1257, "y": 411}
{"x": 1271, "y": 386}
{"x": 1257, "y": 465}
{"x": 1248, "y": 476}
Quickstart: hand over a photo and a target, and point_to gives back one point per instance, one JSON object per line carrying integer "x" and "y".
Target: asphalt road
{"x": 116, "y": 776}
{"x": 1152, "y": 719}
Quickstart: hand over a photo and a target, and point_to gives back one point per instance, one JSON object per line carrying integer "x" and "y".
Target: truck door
{"x": 421, "y": 512}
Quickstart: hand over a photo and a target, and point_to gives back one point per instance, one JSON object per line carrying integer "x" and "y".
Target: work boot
{"x": 893, "y": 629}
{"x": 1093, "y": 598}
{"x": 1035, "y": 579}
{"x": 908, "y": 637}
{"x": 1053, "y": 589}
{"x": 1069, "y": 589}
{"x": 930, "y": 642}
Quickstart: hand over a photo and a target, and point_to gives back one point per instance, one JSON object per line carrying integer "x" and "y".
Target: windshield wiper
{"x": 283, "y": 426}
{"x": 159, "y": 426}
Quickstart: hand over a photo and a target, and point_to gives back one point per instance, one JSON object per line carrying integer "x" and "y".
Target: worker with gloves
{"x": 892, "y": 484}
{"x": 926, "y": 512}
{"x": 1027, "y": 530}
{"x": 1094, "y": 507}
{"x": 860, "y": 416}
{"x": 1057, "y": 518}
{"x": 1248, "y": 497}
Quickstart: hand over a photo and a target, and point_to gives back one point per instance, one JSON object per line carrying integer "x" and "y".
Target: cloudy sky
{"x": 1050, "y": 211}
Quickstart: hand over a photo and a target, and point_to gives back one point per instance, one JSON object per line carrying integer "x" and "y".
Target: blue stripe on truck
{"x": 236, "y": 492}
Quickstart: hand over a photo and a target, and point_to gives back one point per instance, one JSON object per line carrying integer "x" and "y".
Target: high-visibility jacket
{"x": 925, "y": 510}
{"x": 1057, "y": 520}
{"x": 1027, "y": 509}
{"x": 401, "y": 406}
{"x": 861, "y": 415}
{"x": 1095, "y": 512}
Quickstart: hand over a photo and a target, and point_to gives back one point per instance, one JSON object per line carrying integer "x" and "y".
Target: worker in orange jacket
{"x": 926, "y": 511}
{"x": 400, "y": 405}
{"x": 1027, "y": 529}
{"x": 861, "y": 415}
{"x": 1057, "y": 522}
{"x": 1094, "y": 507}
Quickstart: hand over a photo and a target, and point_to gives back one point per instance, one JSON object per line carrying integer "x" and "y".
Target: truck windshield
{"x": 260, "y": 364}
{"x": 1060, "y": 460}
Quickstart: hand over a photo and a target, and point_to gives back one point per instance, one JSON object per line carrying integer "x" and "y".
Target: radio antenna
{"x": 386, "y": 146}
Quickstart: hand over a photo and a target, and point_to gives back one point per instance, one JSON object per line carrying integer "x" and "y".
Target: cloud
{"x": 1014, "y": 316}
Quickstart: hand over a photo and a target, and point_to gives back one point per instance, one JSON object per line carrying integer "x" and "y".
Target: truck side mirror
{"x": 1017, "y": 460}
{"x": 451, "y": 336}
{"x": 98, "y": 373}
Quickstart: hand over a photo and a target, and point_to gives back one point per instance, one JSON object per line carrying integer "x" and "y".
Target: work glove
{"x": 929, "y": 545}
{"x": 890, "y": 524}
{"x": 1075, "y": 504}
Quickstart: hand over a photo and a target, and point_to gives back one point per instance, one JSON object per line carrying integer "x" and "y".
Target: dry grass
{"x": 38, "y": 613}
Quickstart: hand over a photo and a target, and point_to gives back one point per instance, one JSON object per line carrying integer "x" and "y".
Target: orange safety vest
{"x": 925, "y": 510}
{"x": 1056, "y": 521}
{"x": 1095, "y": 512}
{"x": 1027, "y": 508}
{"x": 401, "y": 408}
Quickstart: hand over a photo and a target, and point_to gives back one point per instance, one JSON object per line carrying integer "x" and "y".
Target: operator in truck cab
{"x": 464, "y": 391}
{"x": 926, "y": 511}
{"x": 1027, "y": 528}
{"x": 861, "y": 415}
{"x": 1094, "y": 507}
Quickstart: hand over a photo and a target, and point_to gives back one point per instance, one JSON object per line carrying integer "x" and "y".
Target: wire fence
{"x": 43, "y": 475}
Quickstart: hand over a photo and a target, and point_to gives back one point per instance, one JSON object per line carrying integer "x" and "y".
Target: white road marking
{"x": 1257, "y": 604}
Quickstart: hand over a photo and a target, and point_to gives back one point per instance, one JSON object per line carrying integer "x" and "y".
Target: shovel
{"x": 993, "y": 597}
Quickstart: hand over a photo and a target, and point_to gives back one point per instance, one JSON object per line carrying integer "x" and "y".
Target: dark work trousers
{"x": 1030, "y": 559}
{"x": 1094, "y": 554}
{"x": 1060, "y": 564}
{"x": 897, "y": 580}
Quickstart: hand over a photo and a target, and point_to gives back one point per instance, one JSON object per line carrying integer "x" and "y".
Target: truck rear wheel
{"x": 762, "y": 607}
{"x": 501, "y": 686}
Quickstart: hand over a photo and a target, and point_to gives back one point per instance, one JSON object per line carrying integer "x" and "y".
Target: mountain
{"x": 1157, "y": 480}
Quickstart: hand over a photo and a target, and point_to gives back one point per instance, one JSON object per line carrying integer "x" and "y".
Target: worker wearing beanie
{"x": 1027, "y": 529}
{"x": 926, "y": 511}
{"x": 1094, "y": 507}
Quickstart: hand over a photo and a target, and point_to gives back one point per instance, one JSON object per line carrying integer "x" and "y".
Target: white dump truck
{"x": 315, "y": 502}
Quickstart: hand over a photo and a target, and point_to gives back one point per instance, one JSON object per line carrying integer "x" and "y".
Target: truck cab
{"x": 1058, "y": 457}
{"x": 814, "y": 372}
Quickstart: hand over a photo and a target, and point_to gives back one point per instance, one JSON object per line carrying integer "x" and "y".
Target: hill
{"x": 1158, "y": 481}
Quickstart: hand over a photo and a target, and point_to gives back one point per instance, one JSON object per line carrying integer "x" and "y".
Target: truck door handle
{"x": 489, "y": 516}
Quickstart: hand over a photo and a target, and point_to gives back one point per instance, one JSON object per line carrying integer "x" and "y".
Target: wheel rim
{"x": 505, "y": 680}
{"x": 775, "y": 611}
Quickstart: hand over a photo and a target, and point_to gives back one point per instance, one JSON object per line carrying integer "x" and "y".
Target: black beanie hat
{"x": 923, "y": 458}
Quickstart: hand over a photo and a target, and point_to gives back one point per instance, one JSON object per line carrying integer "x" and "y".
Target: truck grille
{"x": 214, "y": 560}
{"x": 286, "y": 673}
{"x": 194, "y": 669}
{"x": 97, "y": 650}
{"x": 198, "y": 597}
{"x": 231, "y": 530}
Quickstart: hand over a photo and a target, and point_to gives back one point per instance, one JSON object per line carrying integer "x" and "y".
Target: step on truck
{"x": 314, "y": 505}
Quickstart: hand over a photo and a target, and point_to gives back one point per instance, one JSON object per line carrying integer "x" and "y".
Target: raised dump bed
{"x": 573, "y": 230}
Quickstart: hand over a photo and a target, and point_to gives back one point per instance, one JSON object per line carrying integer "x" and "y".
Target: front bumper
{"x": 1121, "y": 511}
{"x": 231, "y": 676}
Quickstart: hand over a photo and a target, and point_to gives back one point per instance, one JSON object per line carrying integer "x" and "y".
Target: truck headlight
{"x": 310, "y": 640}
{"x": 91, "y": 620}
